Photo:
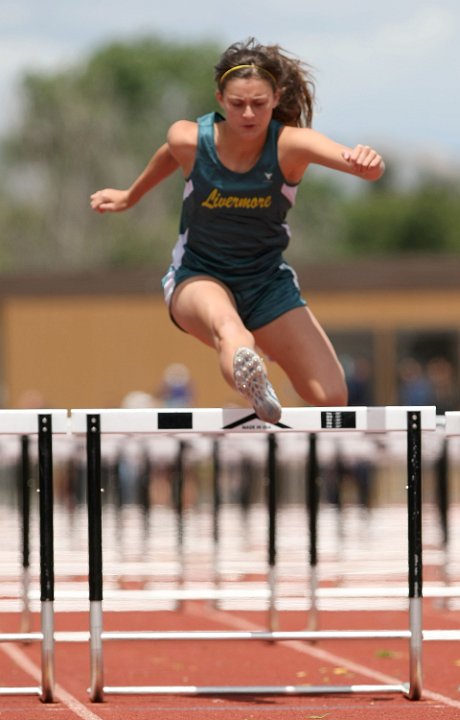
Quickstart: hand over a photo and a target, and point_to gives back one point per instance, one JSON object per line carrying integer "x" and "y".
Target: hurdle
{"x": 214, "y": 421}
{"x": 450, "y": 424}
{"x": 43, "y": 424}
{"x": 451, "y": 429}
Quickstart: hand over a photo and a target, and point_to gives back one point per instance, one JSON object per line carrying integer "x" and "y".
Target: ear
{"x": 277, "y": 98}
{"x": 220, "y": 98}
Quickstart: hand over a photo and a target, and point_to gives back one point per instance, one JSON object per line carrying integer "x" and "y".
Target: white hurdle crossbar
{"x": 452, "y": 425}
{"x": 44, "y": 424}
{"x": 412, "y": 420}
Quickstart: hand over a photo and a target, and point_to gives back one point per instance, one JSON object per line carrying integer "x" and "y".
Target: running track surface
{"x": 338, "y": 662}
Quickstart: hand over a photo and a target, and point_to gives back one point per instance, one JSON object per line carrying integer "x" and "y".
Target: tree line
{"x": 96, "y": 125}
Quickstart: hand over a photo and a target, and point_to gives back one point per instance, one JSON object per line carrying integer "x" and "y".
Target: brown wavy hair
{"x": 285, "y": 73}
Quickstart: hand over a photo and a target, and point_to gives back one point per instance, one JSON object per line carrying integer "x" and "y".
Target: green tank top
{"x": 233, "y": 224}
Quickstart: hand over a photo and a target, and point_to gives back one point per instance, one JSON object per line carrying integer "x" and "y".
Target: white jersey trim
{"x": 289, "y": 192}
{"x": 169, "y": 280}
{"x": 285, "y": 266}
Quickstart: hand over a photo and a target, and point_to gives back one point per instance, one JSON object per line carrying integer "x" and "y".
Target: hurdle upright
{"x": 43, "y": 424}
{"x": 411, "y": 420}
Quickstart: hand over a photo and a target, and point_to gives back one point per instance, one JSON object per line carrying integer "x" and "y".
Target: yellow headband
{"x": 240, "y": 67}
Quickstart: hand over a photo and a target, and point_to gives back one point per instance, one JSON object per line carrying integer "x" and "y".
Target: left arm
{"x": 299, "y": 147}
{"x": 161, "y": 165}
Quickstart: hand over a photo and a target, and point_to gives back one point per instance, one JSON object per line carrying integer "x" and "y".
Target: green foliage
{"x": 149, "y": 84}
{"x": 316, "y": 221}
{"x": 95, "y": 126}
{"x": 422, "y": 219}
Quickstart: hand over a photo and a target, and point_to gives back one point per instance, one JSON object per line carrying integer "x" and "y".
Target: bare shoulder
{"x": 306, "y": 139}
{"x": 183, "y": 133}
{"x": 297, "y": 148}
{"x": 182, "y": 140}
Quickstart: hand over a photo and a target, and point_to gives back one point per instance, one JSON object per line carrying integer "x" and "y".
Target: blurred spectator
{"x": 414, "y": 387}
{"x": 32, "y": 399}
{"x": 138, "y": 399}
{"x": 441, "y": 375}
{"x": 176, "y": 389}
{"x": 359, "y": 382}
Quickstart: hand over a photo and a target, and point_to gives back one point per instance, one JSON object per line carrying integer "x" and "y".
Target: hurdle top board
{"x": 226, "y": 420}
{"x": 27, "y": 422}
{"x": 452, "y": 423}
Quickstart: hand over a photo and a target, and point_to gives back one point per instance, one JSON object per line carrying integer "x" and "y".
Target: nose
{"x": 248, "y": 112}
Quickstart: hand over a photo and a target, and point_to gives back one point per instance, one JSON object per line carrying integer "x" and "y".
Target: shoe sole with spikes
{"x": 252, "y": 382}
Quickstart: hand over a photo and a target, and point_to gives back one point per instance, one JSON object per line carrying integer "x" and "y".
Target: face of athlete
{"x": 248, "y": 104}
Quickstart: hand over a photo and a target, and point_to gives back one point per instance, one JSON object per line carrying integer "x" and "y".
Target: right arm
{"x": 161, "y": 165}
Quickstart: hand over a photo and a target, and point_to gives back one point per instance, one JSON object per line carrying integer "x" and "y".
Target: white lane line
{"x": 29, "y": 667}
{"x": 325, "y": 655}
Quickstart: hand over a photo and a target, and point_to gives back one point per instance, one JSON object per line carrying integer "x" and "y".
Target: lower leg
{"x": 244, "y": 370}
{"x": 299, "y": 345}
{"x": 229, "y": 334}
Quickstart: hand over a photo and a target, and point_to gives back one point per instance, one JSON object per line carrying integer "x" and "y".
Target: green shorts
{"x": 259, "y": 301}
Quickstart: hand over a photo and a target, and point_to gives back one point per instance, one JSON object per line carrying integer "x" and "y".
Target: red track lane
{"x": 338, "y": 662}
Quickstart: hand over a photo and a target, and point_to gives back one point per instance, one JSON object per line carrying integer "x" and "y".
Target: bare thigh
{"x": 197, "y": 303}
{"x": 297, "y": 342}
{"x": 205, "y": 308}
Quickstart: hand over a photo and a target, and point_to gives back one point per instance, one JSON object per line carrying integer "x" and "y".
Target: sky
{"x": 387, "y": 73}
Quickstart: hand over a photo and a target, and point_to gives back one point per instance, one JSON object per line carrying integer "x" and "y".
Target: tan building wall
{"x": 385, "y": 314}
{"x": 388, "y": 310}
{"x": 87, "y": 343}
{"x": 91, "y": 352}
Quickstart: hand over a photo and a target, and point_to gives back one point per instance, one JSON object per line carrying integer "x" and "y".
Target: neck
{"x": 236, "y": 152}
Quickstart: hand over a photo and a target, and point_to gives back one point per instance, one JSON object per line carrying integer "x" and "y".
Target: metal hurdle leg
{"x": 24, "y": 503}
{"x": 46, "y": 554}
{"x": 312, "y": 497}
{"x": 144, "y": 497}
{"x": 216, "y": 514}
{"x": 41, "y": 423}
{"x": 271, "y": 496}
{"x": 93, "y": 454}
{"x": 414, "y": 506}
{"x": 442, "y": 497}
{"x": 178, "y": 497}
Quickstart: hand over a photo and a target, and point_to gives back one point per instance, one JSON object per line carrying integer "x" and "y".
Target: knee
{"x": 228, "y": 326}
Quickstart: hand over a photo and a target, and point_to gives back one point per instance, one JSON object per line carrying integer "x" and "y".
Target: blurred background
{"x": 88, "y": 92}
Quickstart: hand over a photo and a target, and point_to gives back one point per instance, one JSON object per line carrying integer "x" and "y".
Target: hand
{"x": 110, "y": 200}
{"x": 365, "y": 161}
